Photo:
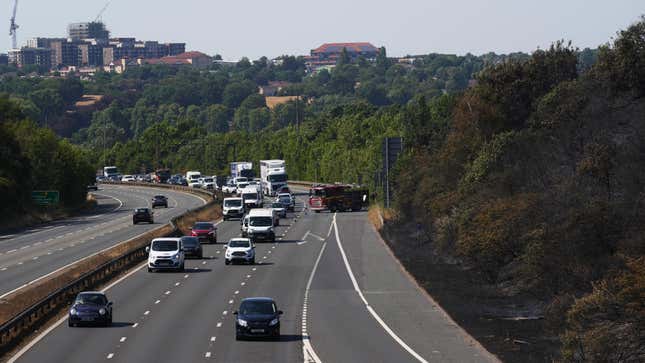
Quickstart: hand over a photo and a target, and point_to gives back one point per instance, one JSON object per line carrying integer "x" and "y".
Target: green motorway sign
{"x": 45, "y": 197}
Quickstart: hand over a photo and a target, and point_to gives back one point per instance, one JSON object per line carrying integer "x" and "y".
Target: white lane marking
{"x": 135, "y": 325}
{"x": 203, "y": 262}
{"x": 38, "y": 243}
{"x": 308, "y": 352}
{"x": 177, "y": 283}
{"x": 248, "y": 276}
{"x": 35, "y": 258}
{"x": 367, "y": 305}
{"x": 230, "y": 301}
{"x": 254, "y": 268}
{"x": 219, "y": 325}
{"x": 4, "y": 269}
{"x": 110, "y": 356}
{"x": 123, "y": 339}
{"x": 20, "y": 263}
{"x": 185, "y": 276}
{"x": 237, "y": 292}
{"x": 207, "y": 355}
{"x": 157, "y": 302}
{"x": 167, "y": 292}
{"x": 115, "y": 198}
{"x": 213, "y": 339}
{"x": 23, "y": 247}
{"x": 146, "y": 312}
{"x": 225, "y": 312}
{"x": 243, "y": 283}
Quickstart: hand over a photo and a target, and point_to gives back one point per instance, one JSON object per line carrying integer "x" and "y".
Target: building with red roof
{"x": 328, "y": 53}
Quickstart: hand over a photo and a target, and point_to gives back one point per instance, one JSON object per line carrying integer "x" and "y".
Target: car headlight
{"x": 242, "y": 322}
{"x": 102, "y": 311}
{"x": 73, "y": 311}
{"x": 274, "y": 322}
{"x": 174, "y": 257}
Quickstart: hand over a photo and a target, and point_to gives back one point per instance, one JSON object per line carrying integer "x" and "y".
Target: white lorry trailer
{"x": 274, "y": 175}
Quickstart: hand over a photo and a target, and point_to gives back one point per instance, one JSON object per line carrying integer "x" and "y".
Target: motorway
{"x": 344, "y": 297}
{"x": 35, "y": 252}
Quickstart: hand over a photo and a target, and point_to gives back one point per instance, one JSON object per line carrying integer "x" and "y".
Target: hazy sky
{"x": 253, "y": 28}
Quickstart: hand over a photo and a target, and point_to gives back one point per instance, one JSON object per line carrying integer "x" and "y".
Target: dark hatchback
{"x": 192, "y": 247}
{"x": 205, "y": 231}
{"x": 90, "y": 307}
{"x": 257, "y": 317}
{"x": 159, "y": 201}
{"x": 142, "y": 215}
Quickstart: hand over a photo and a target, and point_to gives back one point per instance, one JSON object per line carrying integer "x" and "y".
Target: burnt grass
{"x": 510, "y": 327}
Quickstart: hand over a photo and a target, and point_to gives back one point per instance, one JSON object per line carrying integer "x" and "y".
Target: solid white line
{"x": 69, "y": 264}
{"x": 63, "y": 319}
{"x": 367, "y": 305}
{"x": 115, "y": 198}
{"x": 308, "y": 352}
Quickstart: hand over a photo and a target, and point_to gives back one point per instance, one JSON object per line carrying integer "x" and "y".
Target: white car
{"x": 244, "y": 225}
{"x": 229, "y": 188}
{"x": 239, "y": 249}
{"x": 128, "y": 178}
{"x": 207, "y": 183}
{"x": 165, "y": 253}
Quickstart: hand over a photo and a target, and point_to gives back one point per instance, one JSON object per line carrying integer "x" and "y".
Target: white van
{"x": 232, "y": 208}
{"x": 261, "y": 224}
{"x": 251, "y": 197}
{"x": 192, "y": 178}
{"x": 165, "y": 253}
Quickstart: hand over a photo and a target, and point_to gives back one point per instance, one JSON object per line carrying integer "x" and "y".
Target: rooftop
{"x": 351, "y": 47}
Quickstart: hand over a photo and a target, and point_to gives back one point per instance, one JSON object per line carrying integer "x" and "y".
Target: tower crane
{"x": 13, "y": 26}
{"x": 98, "y": 17}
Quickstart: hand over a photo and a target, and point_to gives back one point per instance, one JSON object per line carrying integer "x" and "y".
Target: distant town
{"x": 88, "y": 48}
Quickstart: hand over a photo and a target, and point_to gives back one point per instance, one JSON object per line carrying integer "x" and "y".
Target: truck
{"x": 160, "y": 176}
{"x": 241, "y": 168}
{"x": 273, "y": 174}
{"x": 110, "y": 172}
{"x": 337, "y": 198}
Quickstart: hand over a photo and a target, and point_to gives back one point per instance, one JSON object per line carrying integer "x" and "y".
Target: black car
{"x": 90, "y": 307}
{"x": 192, "y": 247}
{"x": 159, "y": 201}
{"x": 142, "y": 215}
{"x": 257, "y": 317}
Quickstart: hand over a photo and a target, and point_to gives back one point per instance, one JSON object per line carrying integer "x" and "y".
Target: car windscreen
{"x": 96, "y": 299}
{"x": 208, "y": 180}
{"x": 159, "y": 197}
{"x": 276, "y": 205}
{"x": 141, "y": 210}
{"x": 241, "y": 180}
{"x": 164, "y": 245}
{"x": 257, "y": 307}
{"x": 201, "y": 226}
{"x": 261, "y": 221}
{"x": 285, "y": 199}
{"x": 242, "y": 185}
{"x": 233, "y": 203}
{"x": 246, "y": 196}
{"x": 190, "y": 241}
{"x": 239, "y": 244}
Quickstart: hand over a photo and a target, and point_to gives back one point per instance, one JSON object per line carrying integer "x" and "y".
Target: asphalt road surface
{"x": 373, "y": 314}
{"x": 35, "y": 252}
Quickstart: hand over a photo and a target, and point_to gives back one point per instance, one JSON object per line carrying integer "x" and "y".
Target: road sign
{"x": 45, "y": 197}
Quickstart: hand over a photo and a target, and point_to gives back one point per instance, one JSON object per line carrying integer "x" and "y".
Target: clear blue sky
{"x": 253, "y": 28}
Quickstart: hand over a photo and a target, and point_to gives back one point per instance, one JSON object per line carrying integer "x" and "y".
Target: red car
{"x": 204, "y": 231}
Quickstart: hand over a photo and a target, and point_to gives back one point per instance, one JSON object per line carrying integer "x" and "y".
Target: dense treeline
{"x": 538, "y": 184}
{"x": 34, "y": 158}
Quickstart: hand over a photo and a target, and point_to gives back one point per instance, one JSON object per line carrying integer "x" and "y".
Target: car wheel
{"x": 226, "y": 262}
{"x": 252, "y": 262}
{"x": 238, "y": 337}
{"x": 149, "y": 269}
{"x": 182, "y": 268}
{"x": 201, "y": 255}
{"x": 70, "y": 324}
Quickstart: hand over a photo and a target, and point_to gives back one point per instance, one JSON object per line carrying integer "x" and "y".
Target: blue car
{"x": 257, "y": 317}
{"x": 90, "y": 307}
